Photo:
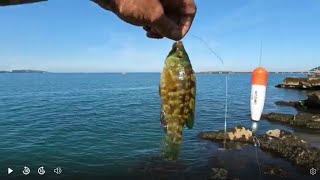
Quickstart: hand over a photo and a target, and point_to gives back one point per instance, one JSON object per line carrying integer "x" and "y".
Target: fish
{"x": 18, "y": 2}
{"x": 177, "y": 90}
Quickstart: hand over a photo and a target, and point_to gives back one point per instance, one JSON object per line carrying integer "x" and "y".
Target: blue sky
{"x": 64, "y": 36}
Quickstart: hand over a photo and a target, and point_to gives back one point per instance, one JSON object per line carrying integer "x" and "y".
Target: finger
{"x": 101, "y": 4}
{"x": 185, "y": 24}
{"x": 147, "y": 28}
{"x": 167, "y": 28}
{"x": 151, "y": 34}
{"x": 188, "y": 13}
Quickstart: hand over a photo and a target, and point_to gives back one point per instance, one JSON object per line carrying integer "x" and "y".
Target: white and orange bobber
{"x": 258, "y": 92}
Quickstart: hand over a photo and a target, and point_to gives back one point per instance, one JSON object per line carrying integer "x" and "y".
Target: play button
{"x": 10, "y": 170}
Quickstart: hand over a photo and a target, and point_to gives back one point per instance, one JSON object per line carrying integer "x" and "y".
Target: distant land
{"x": 247, "y": 72}
{"x": 24, "y": 71}
{"x": 311, "y": 71}
{"x": 201, "y": 72}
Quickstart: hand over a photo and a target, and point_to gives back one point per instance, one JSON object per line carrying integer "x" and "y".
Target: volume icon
{"x": 58, "y": 170}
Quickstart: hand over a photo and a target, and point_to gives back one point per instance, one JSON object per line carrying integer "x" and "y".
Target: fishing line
{"x": 255, "y": 139}
{"x": 226, "y": 113}
{"x": 260, "y": 54}
{"x": 257, "y": 145}
{"x": 226, "y": 100}
{"x": 209, "y": 48}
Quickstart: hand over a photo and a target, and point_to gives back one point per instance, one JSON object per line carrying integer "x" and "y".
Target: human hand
{"x": 159, "y": 18}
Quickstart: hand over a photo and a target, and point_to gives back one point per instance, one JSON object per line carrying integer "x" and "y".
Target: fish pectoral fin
{"x": 190, "y": 121}
{"x": 163, "y": 121}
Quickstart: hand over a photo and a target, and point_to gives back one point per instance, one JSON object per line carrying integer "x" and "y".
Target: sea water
{"x": 108, "y": 124}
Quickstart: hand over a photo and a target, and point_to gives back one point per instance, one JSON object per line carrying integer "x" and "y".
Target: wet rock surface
{"x": 311, "y": 104}
{"x": 239, "y": 133}
{"x": 219, "y": 174}
{"x": 275, "y": 171}
{"x": 302, "y": 119}
{"x": 274, "y": 133}
{"x": 308, "y": 83}
{"x": 281, "y": 143}
{"x": 313, "y": 100}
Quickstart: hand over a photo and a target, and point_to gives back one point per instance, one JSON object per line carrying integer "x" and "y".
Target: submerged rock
{"x": 279, "y": 142}
{"x": 308, "y": 83}
{"x": 274, "y": 171}
{"x": 219, "y": 174}
{"x": 303, "y": 120}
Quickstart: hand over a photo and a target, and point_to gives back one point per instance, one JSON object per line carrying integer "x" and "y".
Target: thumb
{"x": 167, "y": 28}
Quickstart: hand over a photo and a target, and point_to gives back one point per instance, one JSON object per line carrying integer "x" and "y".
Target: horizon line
{"x": 127, "y": 72}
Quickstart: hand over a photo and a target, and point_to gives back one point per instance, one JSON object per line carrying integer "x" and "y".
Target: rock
{"x": 308, "y": 83}
{"x": 219, "y": 174}
{"x": 286, "y": 145}
{"x": 278, "y": 117}
{"x": 289, "y": 103}
{"x": 313, "y": 100}
{"x": 239, "y": 133}
{"x": 274, "y": 171}
{"x": 291, "y": 81}
{"x": 273, "y": 133}
{"x": 311, "y": 104}
{"x": 293, "y": 149}
{"x": 302, "y": 120}
{"x": 299, "y": 105}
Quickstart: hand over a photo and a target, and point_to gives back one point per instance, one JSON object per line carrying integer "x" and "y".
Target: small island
{"x": 24, "y": 71}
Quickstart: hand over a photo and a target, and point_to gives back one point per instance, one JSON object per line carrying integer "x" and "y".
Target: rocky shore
{"x": 302, "y": 120}
{"x": 279, "y": 142}
{"x": 308, "y": 115}
{"x": 311, "y": 104}
{"x": 307, "y": 83}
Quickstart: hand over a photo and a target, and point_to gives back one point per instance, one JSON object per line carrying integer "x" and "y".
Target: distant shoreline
{"x": 248, "y": 72}
{"x": 201, "y": 72}
{"x": 24, "y": 71}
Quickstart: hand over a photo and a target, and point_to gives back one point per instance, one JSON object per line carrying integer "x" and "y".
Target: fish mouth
{"x": 177, "y": 45}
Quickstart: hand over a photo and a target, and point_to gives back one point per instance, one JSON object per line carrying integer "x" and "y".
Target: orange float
{"x": 258, "y": 92}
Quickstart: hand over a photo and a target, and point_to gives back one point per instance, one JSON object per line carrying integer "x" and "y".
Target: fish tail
{"x": 172, "y": 140}
{"x": 169, "y": 149}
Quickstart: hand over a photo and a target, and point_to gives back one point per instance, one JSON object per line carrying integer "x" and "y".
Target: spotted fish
{"x": 177, "y": 91}
{"x": 18, "y": 2}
